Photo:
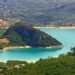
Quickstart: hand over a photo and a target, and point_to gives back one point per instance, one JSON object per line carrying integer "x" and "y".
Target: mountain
{"x": 39, "y": 12}
{"x": 22, "y": 35}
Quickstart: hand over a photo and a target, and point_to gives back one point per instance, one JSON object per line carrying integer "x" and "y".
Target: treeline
{"x": 63, "y": 65}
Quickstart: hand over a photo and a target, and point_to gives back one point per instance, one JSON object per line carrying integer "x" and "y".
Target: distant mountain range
{"x": 39, "y": 12}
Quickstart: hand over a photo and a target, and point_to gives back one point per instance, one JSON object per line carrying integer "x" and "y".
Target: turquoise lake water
{"x": 66, "y": 36}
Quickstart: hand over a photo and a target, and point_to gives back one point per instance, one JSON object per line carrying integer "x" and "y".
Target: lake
{"x": 66, "y": 36}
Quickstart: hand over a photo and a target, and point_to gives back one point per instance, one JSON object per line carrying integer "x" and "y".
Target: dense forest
{"x": 63, "y": 65}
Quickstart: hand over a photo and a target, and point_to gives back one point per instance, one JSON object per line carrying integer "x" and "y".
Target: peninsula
{"x": 21, "y": 35}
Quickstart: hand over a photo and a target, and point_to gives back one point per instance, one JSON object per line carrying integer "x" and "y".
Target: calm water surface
{"x": 66, "y": 36}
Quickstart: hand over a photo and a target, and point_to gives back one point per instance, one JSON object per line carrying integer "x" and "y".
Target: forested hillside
{"x": 20, "y": 35}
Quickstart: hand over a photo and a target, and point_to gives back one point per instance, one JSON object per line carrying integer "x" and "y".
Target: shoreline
{"x": 59, "y": 46}
{"x": 54, "y": 27}
{"x": 16, "y": 47}
{"x": 28, "y": 61}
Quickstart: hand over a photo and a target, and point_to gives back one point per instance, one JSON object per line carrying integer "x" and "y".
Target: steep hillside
{"x": 20, "y": 34}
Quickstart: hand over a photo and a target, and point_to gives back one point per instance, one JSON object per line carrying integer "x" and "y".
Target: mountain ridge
{"x": 40, "y": 12}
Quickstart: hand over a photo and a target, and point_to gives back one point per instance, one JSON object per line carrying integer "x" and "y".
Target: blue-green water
{"x": 66, "y": 36}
